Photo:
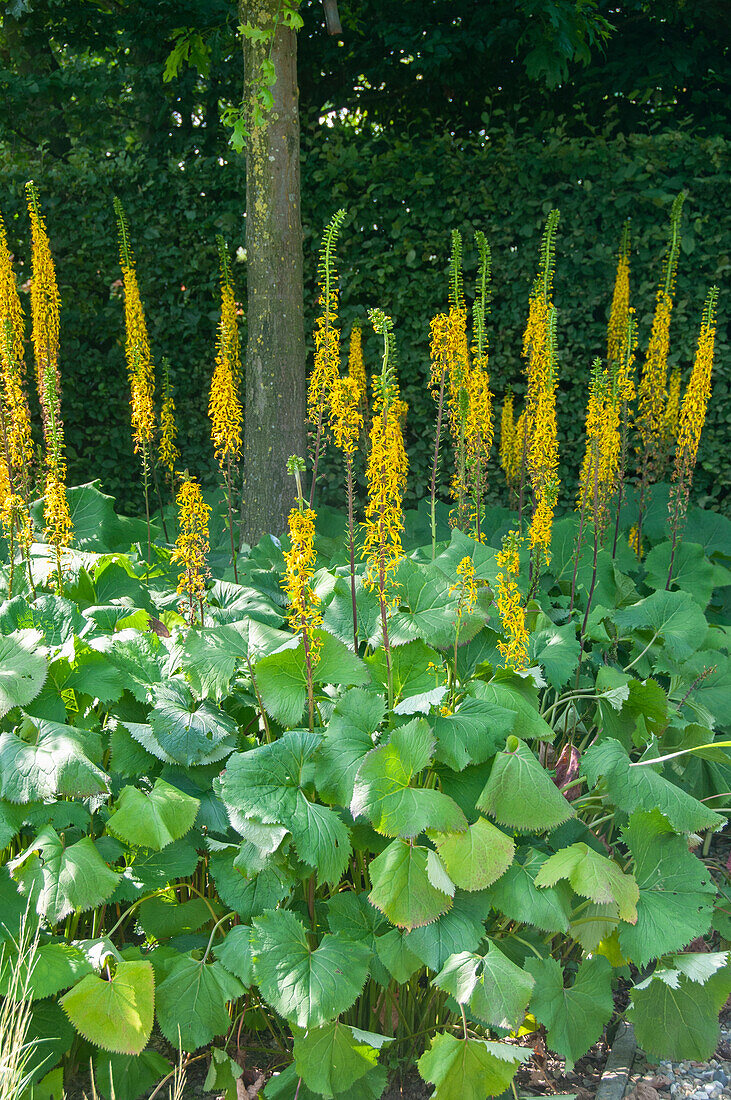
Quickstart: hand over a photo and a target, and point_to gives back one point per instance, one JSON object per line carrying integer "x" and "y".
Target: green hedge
{"x": 404, "y": 194}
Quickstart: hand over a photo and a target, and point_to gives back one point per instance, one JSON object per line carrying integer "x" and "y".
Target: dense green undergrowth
{"x": 497, "y": 853}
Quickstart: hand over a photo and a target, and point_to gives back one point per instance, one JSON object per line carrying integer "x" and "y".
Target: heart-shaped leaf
{"x": 115, "y": 1015}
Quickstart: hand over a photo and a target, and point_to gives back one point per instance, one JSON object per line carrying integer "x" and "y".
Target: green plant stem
{"x": 435, "y": 466}
{"x": 351, "y": 547}
{"x": 229, "y": 502}
{"x": 639, "y": 656}
{"x": 681, "y": 752}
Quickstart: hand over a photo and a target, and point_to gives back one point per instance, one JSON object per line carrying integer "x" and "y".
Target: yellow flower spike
{"x": 326, "y": 367}
{"x": 191, "y": 548}
{"x": 168, "y": 452}
{"x": 600, "y": 467}
{"x": 671, "y": 416}
{"x": 356, "y": 365}
{"x": 617, "y": 328}
{"x": 514, "y": 651}
{"x": 693, "y": 414}
{"x": 346, "y": 421}
{"x": 224, "y": 406}
{"x": 12, "y": 373}
{"x": 542, "y": 452}
{"x": 652, "y": 391}
{"x": 59, "y": 527}
{"x": 386, "y": 474}
{"x": 466, "y": 586}
{"x": 479, "y": 432}
{"x": 507, "y": 437}
{"x": 538, "y": 438}
{"x": 140, "y": 369}
{"x": 45, "y": 305}
{"x": 304, "y": 603}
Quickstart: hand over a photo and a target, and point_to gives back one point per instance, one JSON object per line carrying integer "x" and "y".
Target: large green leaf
{"x": 510, "y": 692}
{"x": 638, "y": 787}
{"x": 469, "y": 1069}
{"x": 165, "y": 915}
{"x": 234, "y": 952}
{"x": 148, "y": 870}
{"x": 61, "y": 880}
{"x": 556, "y": 649}
{"x": 191, "y": 1001}
{"x": 348, "y": 738}
{"x": 592, "y": 876}
{"x": 409, "y": 669}
{"x": 56, "y": 618}
{"x": 139, "y": 658}
{"x": 56, "y": 764}
{"x": 496, "y": 990}
{"x": 410, "y": 885}
{"x": 692, "y": 571}
{"x": 331, "y": 1058}
{"x": 673, "y": 617}
{"x": 267, "y": 783}
{"x": 282, "y": 677}
{"x": 188, "y": 730}
{"x": 516, "y": 895}
{"x": 677, "y": 1018}
{"x": 573, "y": 1017}
{"x": 55, "y": 966}
{"x": 252, "y": 895}
{"x": 152, "y": 820}
{"x": 428, "y": 607}
{"x": 306, "y": 986}
{"x": 473, "y": 733}
{"x": 397, "y": 957}
{"x": 117, "y": 1014}
{"x": 676, "y": 890}
{"x": 520, "y": 793}
{"x": 353, "y": 915}
{"x": 23, "y": 668}
{"x": 476, "y": 857}
{"x": 461, "y": 928}
{"x": 382, "y": 790}
{"x": 128, "y": 1076}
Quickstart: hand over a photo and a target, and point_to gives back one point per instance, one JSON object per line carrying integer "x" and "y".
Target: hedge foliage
{"x": 404, "y": 193}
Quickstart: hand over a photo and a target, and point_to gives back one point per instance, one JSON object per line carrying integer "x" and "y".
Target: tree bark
{"x": 274, "y": 426}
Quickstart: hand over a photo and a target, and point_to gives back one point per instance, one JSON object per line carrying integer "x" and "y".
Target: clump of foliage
{"x": 378, "y": 798}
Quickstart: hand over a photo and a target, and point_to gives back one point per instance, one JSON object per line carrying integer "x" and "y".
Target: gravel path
{"x": 683, "y": 1080}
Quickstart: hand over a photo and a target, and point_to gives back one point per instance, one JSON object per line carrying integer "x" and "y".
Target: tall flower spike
{"x": 514, "y": 650}
{"x": 542, "y": 450}
{"x": 304, "y": 603}
{"x": 137, "y": 346}
{"x": 507, "y": 434}
{"x": 601, "y": 463}
{"x": 455, "y": 355}
{"x": 617, "y": 329}
{"x": 652, "y": 393}
{"x": 168, "y": 452}
{"x": 45, "y": 305}
{"x": 356, "y": 366}
{"x": 386, "y": 477}
{"x": 693, "y": 411}
{"x": 191, "y": 548}
{"x": 386, "y": 473}
{"x": 12, "y": 374}
{"x": 479, "y": 429}
{"x": 224, "y": 406}
{"x": 326, "y": 368}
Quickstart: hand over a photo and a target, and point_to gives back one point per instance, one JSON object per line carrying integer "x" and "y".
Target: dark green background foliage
{"x": 403, "y": 194}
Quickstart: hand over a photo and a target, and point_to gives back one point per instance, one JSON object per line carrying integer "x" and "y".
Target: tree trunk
{"x": 274, "y": 426}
